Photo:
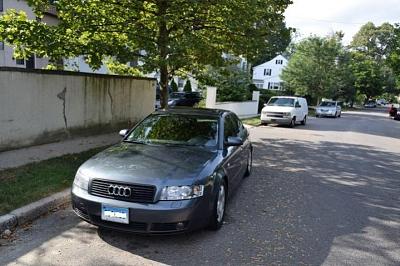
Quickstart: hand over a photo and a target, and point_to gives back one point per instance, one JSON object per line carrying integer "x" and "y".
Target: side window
{"x": 241, "y": 131}
{"x": 230, "y": 127}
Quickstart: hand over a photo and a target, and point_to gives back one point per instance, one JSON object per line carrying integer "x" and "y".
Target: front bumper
{"x": 275, "y": 120}
{"x": 321, "y": 113}
{"x": 163, "y": 217}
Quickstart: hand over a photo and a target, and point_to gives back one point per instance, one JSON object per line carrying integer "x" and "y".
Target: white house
{"x": 267, "y": 75}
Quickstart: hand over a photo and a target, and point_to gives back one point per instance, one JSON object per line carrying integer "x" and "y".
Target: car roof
{"x": 290, "y": 97}
{"x": 192, "y": 111}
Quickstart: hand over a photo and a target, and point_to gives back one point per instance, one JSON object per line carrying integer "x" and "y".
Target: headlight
{"x": 287, "y": 114}
{"x": 81, "y": 180}
{"x": 182, "y": 192}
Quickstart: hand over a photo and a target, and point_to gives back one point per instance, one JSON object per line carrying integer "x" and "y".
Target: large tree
{"x": 368, "y": 75}
{"x": 373, "y": 48}
{"x": 312, "y": 68}
{"x": 169, "y": 36}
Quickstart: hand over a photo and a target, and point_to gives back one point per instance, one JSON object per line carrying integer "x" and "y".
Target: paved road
{"x": 325, "y": 193}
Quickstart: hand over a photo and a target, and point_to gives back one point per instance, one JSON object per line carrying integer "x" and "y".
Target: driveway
{"x": 325, "y": 193}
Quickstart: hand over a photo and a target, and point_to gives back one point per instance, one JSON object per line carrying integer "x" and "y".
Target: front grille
{"x": 132, "y": 226}
{"x": 273, "y": 114}
{"x": 81, "y": 213}
{"x": 139, "y": 193}
{"x": 165, "y": 227}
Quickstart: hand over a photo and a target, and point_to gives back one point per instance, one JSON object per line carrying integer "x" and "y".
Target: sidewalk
{"x": 16, "y": 158}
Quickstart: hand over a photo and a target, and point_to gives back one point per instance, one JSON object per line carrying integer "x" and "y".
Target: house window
{"x": 279, "y": 62}
{"x": 1, "y": 46}
{"x": 267, "y": 72}
{"x": 20, "y": 61}
{"x": 1, "y": 5}
{"x": 274, "y": 85}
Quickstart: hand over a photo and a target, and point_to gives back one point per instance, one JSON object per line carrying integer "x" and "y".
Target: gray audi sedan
{"x": 172, "y": 172}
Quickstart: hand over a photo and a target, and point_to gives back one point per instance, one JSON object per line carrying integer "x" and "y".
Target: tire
{"x": 216, "y": 219}
{"x": 335, "y": 115}
{"x": 304, "y": 122}
{"x": 317, "y": 116}
{"x": 340, "y": 115}
{"x": 293, "y": 122}
{"x": 249, "y": 163}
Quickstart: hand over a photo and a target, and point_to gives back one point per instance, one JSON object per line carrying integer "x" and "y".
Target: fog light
{"x": 180, "y": 226}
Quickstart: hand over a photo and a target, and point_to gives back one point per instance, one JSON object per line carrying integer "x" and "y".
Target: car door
{"x": 233, "y": 160}
{"x": 298, "y": 110}
{"x": 245, "y": 148}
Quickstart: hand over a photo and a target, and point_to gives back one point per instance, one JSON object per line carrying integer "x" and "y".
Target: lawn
{"x": 252, "y": 121}
{"x": 23, "y": 185}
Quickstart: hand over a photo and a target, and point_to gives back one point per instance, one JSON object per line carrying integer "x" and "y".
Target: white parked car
{"x": 285, "y": 110}
{"x": 328, "y": 108}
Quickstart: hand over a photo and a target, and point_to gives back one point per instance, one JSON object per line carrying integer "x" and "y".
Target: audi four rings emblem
{"x": 121, "y": 191}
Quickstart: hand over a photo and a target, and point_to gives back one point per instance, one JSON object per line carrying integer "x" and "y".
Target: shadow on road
{"x": 305, "y": 203}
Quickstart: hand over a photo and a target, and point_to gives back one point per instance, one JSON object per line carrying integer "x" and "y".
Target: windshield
{"x": 328, "y": 104}
{"x": 281, "y": 102}
{"x": 176, "y": 129}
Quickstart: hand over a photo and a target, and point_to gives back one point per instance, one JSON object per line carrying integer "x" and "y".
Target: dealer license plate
{"x": 115, "y": 214}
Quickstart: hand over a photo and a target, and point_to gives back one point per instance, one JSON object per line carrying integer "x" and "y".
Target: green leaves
{"x": 168, "y": 36}
{"x": 312, "y": 69}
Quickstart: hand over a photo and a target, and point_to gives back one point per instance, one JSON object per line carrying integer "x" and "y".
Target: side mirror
{"x": 265, "y": 104}
{"x": 123, "y": 132}
{"x": 234, "y": 141}
{"x": 298, "y": 106}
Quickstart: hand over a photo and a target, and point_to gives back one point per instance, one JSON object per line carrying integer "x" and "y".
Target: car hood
{"x": 149, "y": 164}
{"x": 283, "y": 109}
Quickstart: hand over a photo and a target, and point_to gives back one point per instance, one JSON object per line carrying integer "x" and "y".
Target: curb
{"x": 34, "y": 210}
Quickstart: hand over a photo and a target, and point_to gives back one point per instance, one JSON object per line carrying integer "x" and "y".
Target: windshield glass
{"x": 281, "y": 102}
{"x": 176, "y": 129}
{"x": 328, "y": 104}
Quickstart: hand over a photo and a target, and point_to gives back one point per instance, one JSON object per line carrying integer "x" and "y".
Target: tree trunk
{"x": 162, "y": 42}
{"x": 164, "y": 87}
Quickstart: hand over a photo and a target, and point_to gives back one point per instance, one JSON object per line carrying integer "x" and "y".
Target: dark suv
{"x": 184, "y": 99}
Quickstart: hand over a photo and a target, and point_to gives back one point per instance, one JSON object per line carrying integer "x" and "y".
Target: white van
{"x": 285, "y": 110}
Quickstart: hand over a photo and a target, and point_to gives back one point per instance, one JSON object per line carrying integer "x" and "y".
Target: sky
{"x": 323, "y": 17}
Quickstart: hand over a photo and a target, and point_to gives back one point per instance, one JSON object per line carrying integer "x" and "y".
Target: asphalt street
{"x": 327, "y": 193}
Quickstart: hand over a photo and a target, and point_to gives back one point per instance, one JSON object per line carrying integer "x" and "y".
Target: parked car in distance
{"x": 328, "y": 108}
{"x": 392, "y": 111}
{"x": 184, "y": 99}
{"x": 285, "y": 110}
{"x": 370, "y": 104}
{"x": 173, "y": 172}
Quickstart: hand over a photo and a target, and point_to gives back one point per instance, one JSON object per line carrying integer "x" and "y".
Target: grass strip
{"x": 252, "y": 121}
{"x": 26, "y": 184}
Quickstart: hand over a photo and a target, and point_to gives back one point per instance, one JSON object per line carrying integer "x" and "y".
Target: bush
{"x": 174, "y": 86}
{"x": 188, "y": 86}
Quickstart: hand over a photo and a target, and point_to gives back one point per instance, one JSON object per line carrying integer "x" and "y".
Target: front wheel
{"x": 249, "y": 163}
{"x": 218, "y": 214}
{"x": 293, "y": 122}
{"x": 304, "y": 121}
